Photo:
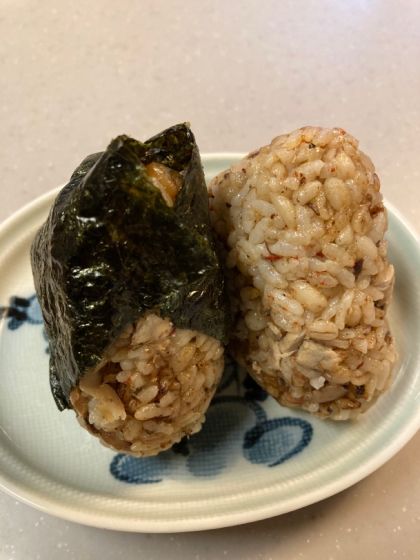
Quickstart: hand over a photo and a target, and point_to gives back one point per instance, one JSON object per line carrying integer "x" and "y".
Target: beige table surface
{"x": 75, "y": 74}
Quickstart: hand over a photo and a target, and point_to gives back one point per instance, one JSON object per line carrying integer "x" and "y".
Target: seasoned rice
{"x": 152, "y": 388}
{"x": 301, "y": 224}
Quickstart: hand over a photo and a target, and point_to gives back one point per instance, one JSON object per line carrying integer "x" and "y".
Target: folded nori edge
{"x": 111, "y": 249}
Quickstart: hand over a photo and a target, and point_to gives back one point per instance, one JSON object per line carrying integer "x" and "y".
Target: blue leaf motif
{"x": 274, "y": 441}
{"x": 219, "y": 442}
{"x": 22, "y": 310}
{"x": 147, "y": 470}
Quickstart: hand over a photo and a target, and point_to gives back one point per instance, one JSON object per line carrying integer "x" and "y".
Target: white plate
{"x": 252, "y": 460}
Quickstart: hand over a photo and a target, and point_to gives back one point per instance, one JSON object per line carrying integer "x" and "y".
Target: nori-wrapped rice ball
{"x": 301, "y": 223}
{"x": 132, "y": 293}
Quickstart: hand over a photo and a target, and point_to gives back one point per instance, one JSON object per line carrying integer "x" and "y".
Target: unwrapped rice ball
{"x": 301, "y": 225}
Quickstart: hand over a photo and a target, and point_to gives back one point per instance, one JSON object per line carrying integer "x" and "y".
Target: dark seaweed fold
{"x": 111, "y": 249}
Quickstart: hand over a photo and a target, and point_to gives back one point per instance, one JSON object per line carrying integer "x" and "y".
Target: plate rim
{"x": 135, "y": 524}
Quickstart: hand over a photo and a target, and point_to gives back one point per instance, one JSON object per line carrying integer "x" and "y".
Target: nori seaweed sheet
{"x": 111, "y": 249}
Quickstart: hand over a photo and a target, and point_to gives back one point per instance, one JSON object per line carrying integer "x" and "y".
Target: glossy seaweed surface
{"x": 111, "y": 249}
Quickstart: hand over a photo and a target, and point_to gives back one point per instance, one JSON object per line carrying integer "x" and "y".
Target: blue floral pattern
{"x": 22, "y": 310}
{"x": 236, "y": 425}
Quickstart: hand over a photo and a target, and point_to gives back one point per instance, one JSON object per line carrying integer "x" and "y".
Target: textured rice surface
{"x": 301, "y": 224}
{"x": 152, "y": 387}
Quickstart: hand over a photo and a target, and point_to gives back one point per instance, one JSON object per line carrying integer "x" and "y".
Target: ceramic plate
{"x": 252, "y": 460}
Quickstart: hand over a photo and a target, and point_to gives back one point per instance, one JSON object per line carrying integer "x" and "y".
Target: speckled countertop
{"x": 73, "y": 75}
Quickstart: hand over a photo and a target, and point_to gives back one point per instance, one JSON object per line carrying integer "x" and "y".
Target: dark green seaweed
{"x": 111, "y": 249}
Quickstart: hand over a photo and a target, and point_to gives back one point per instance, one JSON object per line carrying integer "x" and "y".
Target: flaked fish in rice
{"x": 301, "y": 225}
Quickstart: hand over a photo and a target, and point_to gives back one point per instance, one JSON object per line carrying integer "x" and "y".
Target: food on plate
{"x": 301, "y": 224}
{"x": 132, "y": 293}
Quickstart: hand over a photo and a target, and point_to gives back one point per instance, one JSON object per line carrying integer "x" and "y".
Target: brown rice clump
{"x": 152, "y": 387}
{"x": 301, "y": 224}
